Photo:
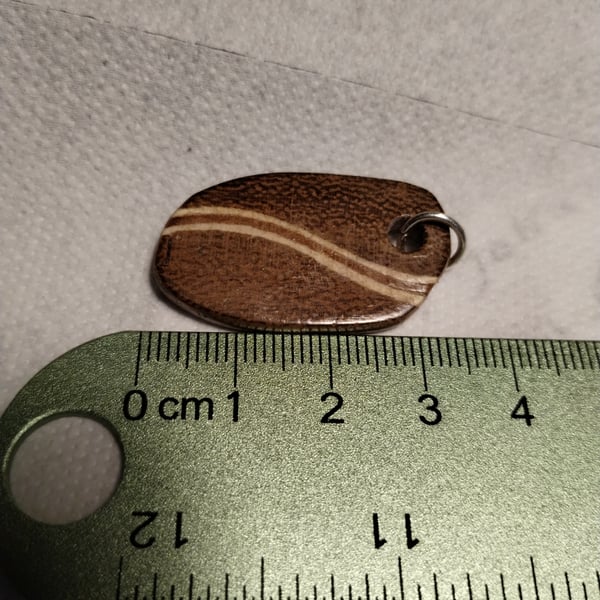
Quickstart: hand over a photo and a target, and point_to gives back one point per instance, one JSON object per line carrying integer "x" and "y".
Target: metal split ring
{"x": 442, "y": 219}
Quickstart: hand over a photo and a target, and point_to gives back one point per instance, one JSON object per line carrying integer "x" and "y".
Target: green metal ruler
{"x": 322, "y": 467}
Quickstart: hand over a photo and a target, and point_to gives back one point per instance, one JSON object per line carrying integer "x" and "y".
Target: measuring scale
{"x": 322, "y": 467}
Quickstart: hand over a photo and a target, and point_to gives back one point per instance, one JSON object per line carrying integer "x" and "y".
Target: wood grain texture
{"x": 299, "y": 251}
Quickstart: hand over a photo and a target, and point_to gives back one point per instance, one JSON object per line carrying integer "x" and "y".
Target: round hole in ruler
{"x": 65, "y": 469}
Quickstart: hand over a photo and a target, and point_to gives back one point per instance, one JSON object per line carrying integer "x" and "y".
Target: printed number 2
{"x": 521, "y": 411}
{"x": 433, "y": 407}
{"x": 328, "y": 416}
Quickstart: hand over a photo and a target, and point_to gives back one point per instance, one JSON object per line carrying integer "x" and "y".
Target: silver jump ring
{"x": 443, "y": 219}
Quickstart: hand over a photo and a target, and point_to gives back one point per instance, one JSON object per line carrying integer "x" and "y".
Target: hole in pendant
{"x": 65, "y": 469}
{"x": 413, "y": 240}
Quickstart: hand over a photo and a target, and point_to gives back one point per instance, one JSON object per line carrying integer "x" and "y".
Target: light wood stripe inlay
{"x": 200, "y": 211}
{"x": 406, "y": 297}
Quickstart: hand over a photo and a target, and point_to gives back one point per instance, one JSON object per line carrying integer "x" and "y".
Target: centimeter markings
{"x": 194, "y": 589}
{"x": 377, "y": 352}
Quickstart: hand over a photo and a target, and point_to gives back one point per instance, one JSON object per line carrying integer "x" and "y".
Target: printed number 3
{"x": 433, "y": 408}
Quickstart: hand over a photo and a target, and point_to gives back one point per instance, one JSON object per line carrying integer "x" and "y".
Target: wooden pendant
{"x": 300, "y": 251}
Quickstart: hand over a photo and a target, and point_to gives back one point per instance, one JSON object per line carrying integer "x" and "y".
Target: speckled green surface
{"x": 279, "y": 504}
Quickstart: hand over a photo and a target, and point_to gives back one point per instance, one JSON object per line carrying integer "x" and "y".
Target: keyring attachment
{"x": 406, "y": 245}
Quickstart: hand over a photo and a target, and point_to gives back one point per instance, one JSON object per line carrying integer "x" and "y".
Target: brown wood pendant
{"x": 299, "y": 251}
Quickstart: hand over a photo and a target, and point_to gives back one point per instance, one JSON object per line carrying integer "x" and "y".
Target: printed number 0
{"x": 433, "y": 407}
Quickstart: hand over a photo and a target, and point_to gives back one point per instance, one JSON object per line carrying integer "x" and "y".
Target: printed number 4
{"x": 521, "y": 411}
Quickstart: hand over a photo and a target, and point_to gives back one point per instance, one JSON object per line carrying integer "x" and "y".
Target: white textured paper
{"x": 105, "y": 130}
{"x": 532, "y": 64}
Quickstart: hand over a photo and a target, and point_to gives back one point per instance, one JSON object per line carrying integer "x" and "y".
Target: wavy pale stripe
{"x": 412, "y": 298}
{"x": 406, "y": 278}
